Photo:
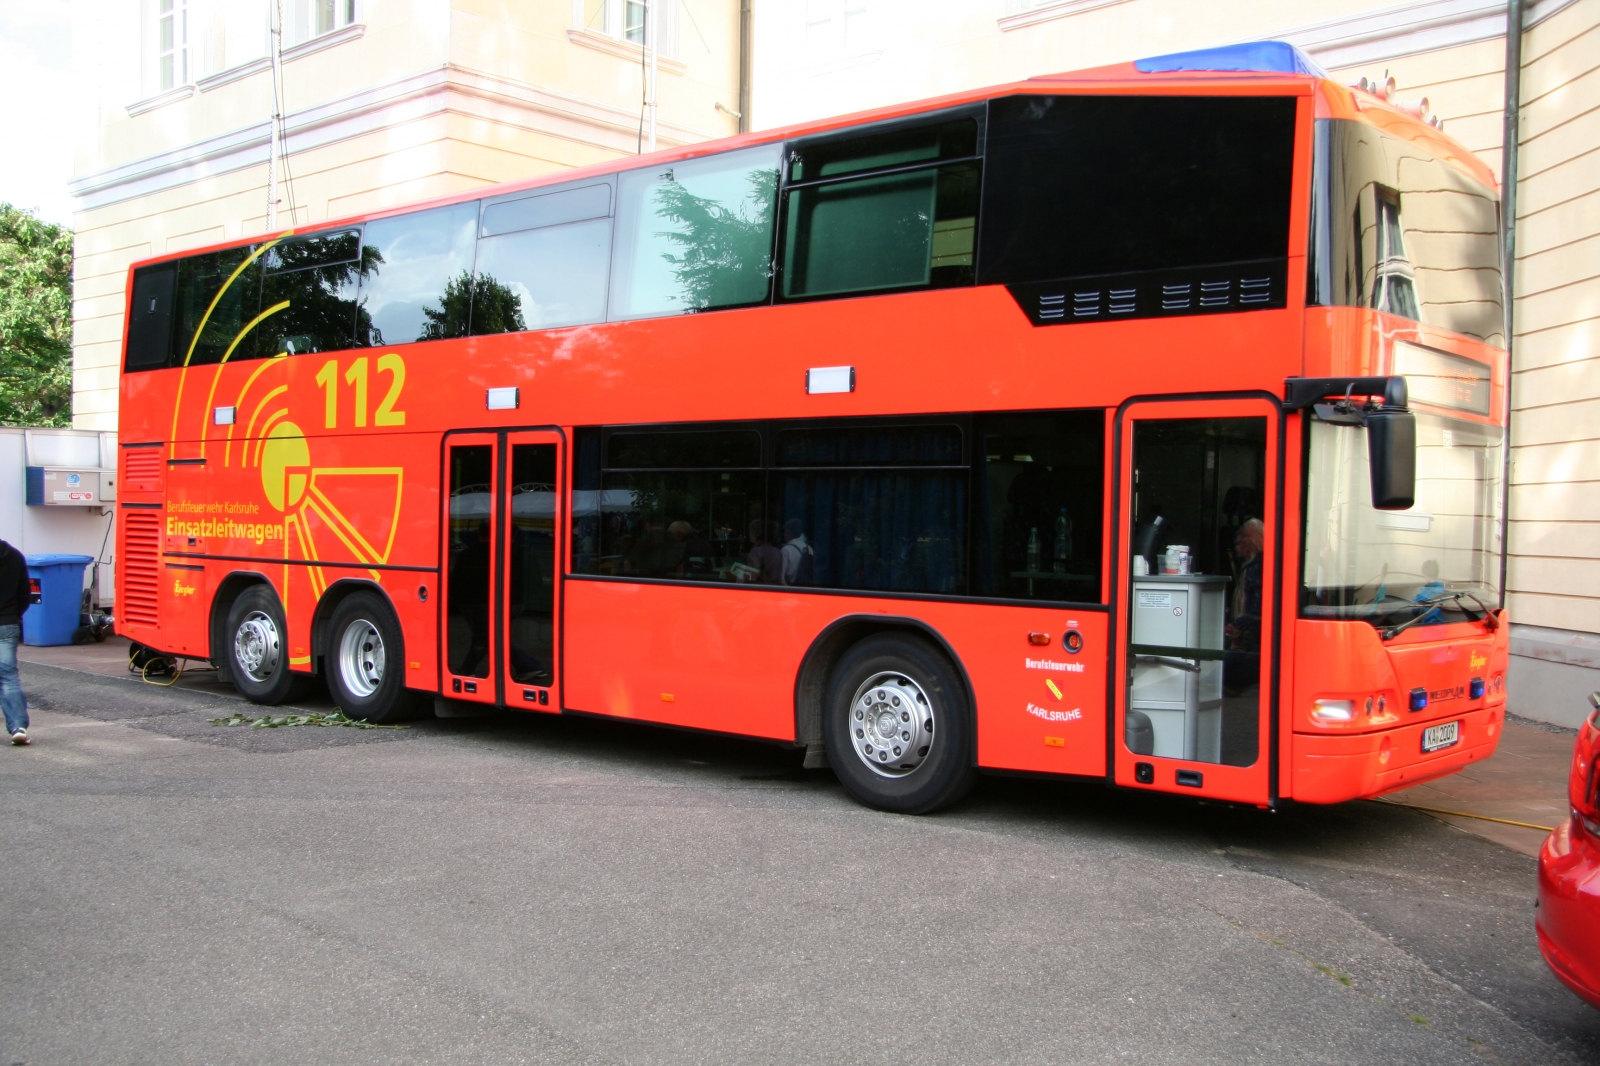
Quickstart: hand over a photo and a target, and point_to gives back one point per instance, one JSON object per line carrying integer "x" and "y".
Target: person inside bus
{"x": 693, "y": 550}
{"x": 654, "y": 555}
{"x": 1241, "y": 664}
{"x": 765, "y": 559}
{"x": 799, "y": 561}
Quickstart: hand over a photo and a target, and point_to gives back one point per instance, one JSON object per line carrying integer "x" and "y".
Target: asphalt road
{"x": 560, "y": 890}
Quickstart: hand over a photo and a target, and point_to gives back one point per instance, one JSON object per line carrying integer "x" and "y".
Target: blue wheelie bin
{"x": 55, "y": 616}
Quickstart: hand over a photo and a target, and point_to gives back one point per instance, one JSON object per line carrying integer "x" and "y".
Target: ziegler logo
{"x": 1477, "y": 662}
{"x": 1453, "y": 693}
{"x": 180, "y": 589}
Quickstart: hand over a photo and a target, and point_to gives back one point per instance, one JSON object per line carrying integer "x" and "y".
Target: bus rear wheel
{"x": 365, "y": 661}
{"x": 258, "y": 651}
{"x": 898, "y": 726}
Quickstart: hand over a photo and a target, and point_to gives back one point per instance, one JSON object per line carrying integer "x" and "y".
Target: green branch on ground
{"x": 35, "y": 320}
{"x": 273, "y": 721}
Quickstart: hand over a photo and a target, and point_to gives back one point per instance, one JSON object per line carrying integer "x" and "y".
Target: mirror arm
{"x": 1301, "y": 393}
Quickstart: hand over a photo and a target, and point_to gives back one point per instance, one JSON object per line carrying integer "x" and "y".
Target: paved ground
{"x": 558, "y": 890}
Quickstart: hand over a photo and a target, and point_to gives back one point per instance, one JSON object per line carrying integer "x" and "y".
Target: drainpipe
{"x": 275, "y": 145}
{"x": 652, "y": 42}
{"x": 744, "y": 66}
{"x": 1508, "y": 253}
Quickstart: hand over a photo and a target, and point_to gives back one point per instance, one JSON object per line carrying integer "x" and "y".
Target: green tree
{"x": 35, "y": 320}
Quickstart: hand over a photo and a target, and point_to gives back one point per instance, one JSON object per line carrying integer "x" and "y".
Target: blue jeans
{"x": 11, "y": 699}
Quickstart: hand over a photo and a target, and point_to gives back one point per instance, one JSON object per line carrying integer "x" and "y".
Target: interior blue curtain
{"x": 899, "y": 530}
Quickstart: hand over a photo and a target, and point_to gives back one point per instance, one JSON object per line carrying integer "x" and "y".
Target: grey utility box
{"x": 1181, "y": 695}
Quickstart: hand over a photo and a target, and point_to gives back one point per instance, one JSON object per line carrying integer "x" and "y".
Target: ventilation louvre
{"x": 141, "y": 566}
{"x": 142, "y": 469}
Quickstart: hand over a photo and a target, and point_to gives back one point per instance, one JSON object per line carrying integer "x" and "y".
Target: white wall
{"x": 50, "y": 530}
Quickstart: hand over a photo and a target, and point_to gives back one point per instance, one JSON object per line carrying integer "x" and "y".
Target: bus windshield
{"x": 1437, "y": 562}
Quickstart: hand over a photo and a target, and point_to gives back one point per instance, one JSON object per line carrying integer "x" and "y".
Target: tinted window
{"x": 411, "y": 277}
{"x": 309, "y": 292}
{"x": 906, "y": 146}
{"x": 898, "y": 525}
{"x": 695, "y": 235}
{"x": 471, "y": 559}
{"x": 732, "y": 448}
{"x": 877, "y": 506}
{"x": 1397, "y": 230}
{"x": 530, "y": 597}
{"x": 218, "y": 295}
{"x": 1087, "y": 185}
{"x": 682, "y": 511}
{"x": 150, "y": 317}
{"x": 905, "y": 226}
{"x": 1041, "y": 493}
{"x": 889, "y": 446}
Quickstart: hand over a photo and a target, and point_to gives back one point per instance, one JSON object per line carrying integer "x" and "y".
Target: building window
{"x": 628, "y": 20}
{"x": 308, "y": 19}
{"x": 172, "y": 35}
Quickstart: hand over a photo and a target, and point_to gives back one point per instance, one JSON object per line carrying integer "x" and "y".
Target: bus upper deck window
{"x": 695, "y": 235}
{"x": 891, "y": 210}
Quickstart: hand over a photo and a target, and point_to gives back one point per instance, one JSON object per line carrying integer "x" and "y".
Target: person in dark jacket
{"x": 15, "y": 593}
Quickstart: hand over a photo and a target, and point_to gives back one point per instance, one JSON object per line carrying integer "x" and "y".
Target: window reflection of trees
{"x": 726, "y": 249}
{"x": 493, "y": 307}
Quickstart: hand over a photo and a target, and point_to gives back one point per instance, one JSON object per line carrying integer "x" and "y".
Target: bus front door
{"x": 1197, "y": 540}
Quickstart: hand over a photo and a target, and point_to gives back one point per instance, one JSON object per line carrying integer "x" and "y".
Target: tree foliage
{"x": 35, "y": 320}
{"x": 488, "y": 305}
{"x": 726, "y": 248}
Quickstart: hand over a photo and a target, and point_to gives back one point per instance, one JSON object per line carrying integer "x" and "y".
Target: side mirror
{"x": 1392, "y": 458}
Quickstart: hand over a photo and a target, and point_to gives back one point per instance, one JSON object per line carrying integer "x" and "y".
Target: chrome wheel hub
{"x": 257, "y": 646}
{"x": 891, "y": 724}
{"x": 361, "y": 658}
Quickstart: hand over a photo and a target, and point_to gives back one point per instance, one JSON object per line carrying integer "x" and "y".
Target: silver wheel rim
{"x": 891, "y": 724}
{"x": 257, "y": 646}
{"x": 361, "y": 658}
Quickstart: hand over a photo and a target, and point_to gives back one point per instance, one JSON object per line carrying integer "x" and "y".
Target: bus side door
{"x": 472, "y": 515}
{"x": 530, "y": 562}
{"x": 1193, "y": 565}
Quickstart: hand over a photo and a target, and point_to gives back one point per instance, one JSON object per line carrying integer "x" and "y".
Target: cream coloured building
{"x": 383, "y": 102}
{"x": 822, "y": 57}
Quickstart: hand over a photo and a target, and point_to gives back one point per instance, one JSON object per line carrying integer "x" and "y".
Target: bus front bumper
{"x": 1334, "y": 768}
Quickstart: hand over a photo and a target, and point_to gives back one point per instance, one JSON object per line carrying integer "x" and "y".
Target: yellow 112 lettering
{"x": 357, "y": 376}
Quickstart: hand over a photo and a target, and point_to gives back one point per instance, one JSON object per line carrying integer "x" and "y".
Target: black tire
{"x": 256, "y": 649}
{"x": 364, "y": 661}
{"x": 909, "y": 679}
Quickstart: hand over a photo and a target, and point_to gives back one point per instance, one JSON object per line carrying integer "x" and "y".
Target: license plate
{"x": 1438, "y": 737}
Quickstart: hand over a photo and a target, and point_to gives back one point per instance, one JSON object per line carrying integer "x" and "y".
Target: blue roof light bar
{"x": 1264, "y": 57}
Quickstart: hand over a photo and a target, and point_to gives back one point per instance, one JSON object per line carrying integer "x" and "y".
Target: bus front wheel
{"x": 365, "y": 661}
{"x": 898, "y": 726}
{"x": 258, "y": 651}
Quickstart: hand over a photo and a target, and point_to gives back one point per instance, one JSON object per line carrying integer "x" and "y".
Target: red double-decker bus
{"x": 1141, "y": 424}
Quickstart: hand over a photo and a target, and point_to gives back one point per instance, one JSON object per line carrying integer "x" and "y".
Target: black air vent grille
{"x": 1254, "y": 286}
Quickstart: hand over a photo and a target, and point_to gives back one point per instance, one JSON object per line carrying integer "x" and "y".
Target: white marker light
{"x": 223, "y": 416}
{"x": 1333, "y": 710}
{"x": 823, "y": 379}
{"x": 505, "y": 399}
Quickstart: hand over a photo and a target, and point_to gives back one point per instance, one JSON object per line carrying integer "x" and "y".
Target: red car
{"x": 1569, "y": 874}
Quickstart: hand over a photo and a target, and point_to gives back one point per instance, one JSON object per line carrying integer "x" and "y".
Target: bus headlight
{"x": 1333, "y": 710}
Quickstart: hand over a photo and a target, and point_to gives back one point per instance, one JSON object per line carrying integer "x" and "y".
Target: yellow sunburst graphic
{"x": 328, "y": 508}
